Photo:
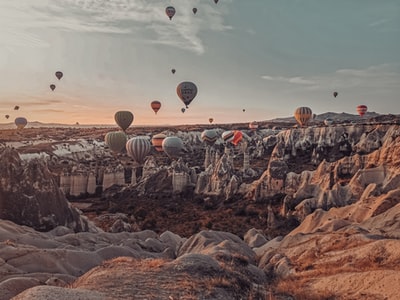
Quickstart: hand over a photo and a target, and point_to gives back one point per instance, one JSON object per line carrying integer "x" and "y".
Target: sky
{"x": 266, "y": 57}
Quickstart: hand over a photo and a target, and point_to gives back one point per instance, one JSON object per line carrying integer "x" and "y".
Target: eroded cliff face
{"x": 29, "y": 195}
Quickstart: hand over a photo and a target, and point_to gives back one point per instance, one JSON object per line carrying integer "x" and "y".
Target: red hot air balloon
{"x": 157, "y": 140}
{"x": 362, "y": 109}
{"x": 237, "y": 137}
{"x": 52, "y": 87}
{"x": 59, "y": 75}
{"x": 170, "y": 11}
{"x": 156, "y": 105}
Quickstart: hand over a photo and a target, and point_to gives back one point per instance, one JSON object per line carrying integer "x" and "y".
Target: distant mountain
{"x": 339, "y": 117}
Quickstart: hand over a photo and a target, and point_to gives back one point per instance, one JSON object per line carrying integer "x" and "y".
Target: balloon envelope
{"x": 215, "y": 1}
{"x": 210, "y": 120}
{"x": 16, "y": 107}
{"x": 209, "y": 136}
{"x": 186, "y": 92}
{"x": 138, "y": 147}
{"x": 335, "y": 94}
{"x": 156, "y": 105}
{"x": 253, "y": 125}
{"x": 170, "y": 11}
{"x": 183, "y": 109}
{"x": 237, "y": 137}
{"x": 115, "y": 140}
{"x": 328, "y": 121}
{"x": 362, "y": 109}
{"x": 194, "y": 10}
{"x": 21, "y": 122}
{"x": 123, "y": 119}
{"x": 173, "y": 71}
{"x": 7, "y": 116}
{"x": 59, "y": 75}
{"x": 157, "y": 141}
{"x": 303, "y": 115}
{"x": 172, "y": 146}
{"x": 52, "y": 87}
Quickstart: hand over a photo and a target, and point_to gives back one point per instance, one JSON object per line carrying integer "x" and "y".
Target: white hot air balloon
{"x": 138, "y": 148}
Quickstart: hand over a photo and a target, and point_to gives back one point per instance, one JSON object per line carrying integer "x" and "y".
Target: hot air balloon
{"x": 215, "y": 1}
{"x": 138, "y": 147}
{"x": 209, "y": 136}
{"x": 227, "y": 136}
{"x": 123, "y": 119}
{"x": 7, "y": 116}
{"x": 16, "y": 107}
{"x": 244, "y": 110}
{"x": 157, "y": 141}
{"x": 170, "y": 11}
{"x": 303, "y": 115}
{"x": 328, "y": 121}
{"x": 59, "y": 75}
{"x": 115, "y": 140}
{"x": 335, "y": 94}
{"x": 172, "y": 146}
{"x": 186, "y": 92}
{"x": 20, "y": 122}
{"x": 253, "y": 125}
{"x": 173, "y": 71}
{"x": 183, "y": 109}
{"x": 237, "y": 137}
{"x": 156, "y": 105}
{"x": 52, "y": 86}
{"x": 362, "y": 109}
{"x": 210, "y": 120}
{"x": 194, "y": 10}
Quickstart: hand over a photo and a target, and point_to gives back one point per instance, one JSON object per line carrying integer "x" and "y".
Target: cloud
{"x": 379, "y": 76}
{"x": 293, "y": 80}
{"x": 144, "y": 20}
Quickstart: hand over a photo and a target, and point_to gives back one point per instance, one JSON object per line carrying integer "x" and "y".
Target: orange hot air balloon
{"x": 237, "y": 137}
{"x": 157, "y": 140}
{"x": 194, "y": 10}
{"x": 210, "y": 120}
{"x": 156, "y": 105}
{"x": 59, "y": 75}
{"x": 52, "y": 86}
{"x": 303, "y": 115}
{"x": 362, "y": 109}
{"x": 170, "y": 11}
{"x": 335, "y": 94}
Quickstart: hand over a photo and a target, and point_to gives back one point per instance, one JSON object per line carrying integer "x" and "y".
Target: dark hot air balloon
{"x": 59, "y": 75}
{"x": 156, "y": 105}
{"x": 170, "y": 11}
{"x": 7, "y": 116}
{"x": 172, "y": 146}
{"x": 123, "y": 119}
{"x": 186, "y": 92}
{"x": 194, "y": 10}
{"x": 52, "y": 87}
{"x": 335, "y": 94}
{"x": 183, "y": 109}
{"x": 116, "y": 140}
{"x": 20, "y": 122}
{"x": 215, "y": 1}
{"x": 173, "y": 71}
{"x": 16, "y": 107}
{"x": 211, "y": 120}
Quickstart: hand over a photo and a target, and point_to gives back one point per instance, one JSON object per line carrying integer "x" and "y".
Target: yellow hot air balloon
{"x": 303, "y": 115}
{"x": 123, "y": 119}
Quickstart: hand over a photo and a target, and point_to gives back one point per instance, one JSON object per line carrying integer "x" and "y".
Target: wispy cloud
{"x": 380, "y": 76}
{"x": 145, "y": 20}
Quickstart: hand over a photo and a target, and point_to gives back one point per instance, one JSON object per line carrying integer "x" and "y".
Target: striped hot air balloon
{"x": 157, "y": 141}
{"x": 209, "y": 136}
{"x": 138, "y": 148}
{"x": 232, "y": 136}
{"x": 303, "y": 115}
{"x": 362, "y": 109}
{"x": 172, "y": 146}
{"x": 123, "y": 119}
{"x": 115, "y": 140}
